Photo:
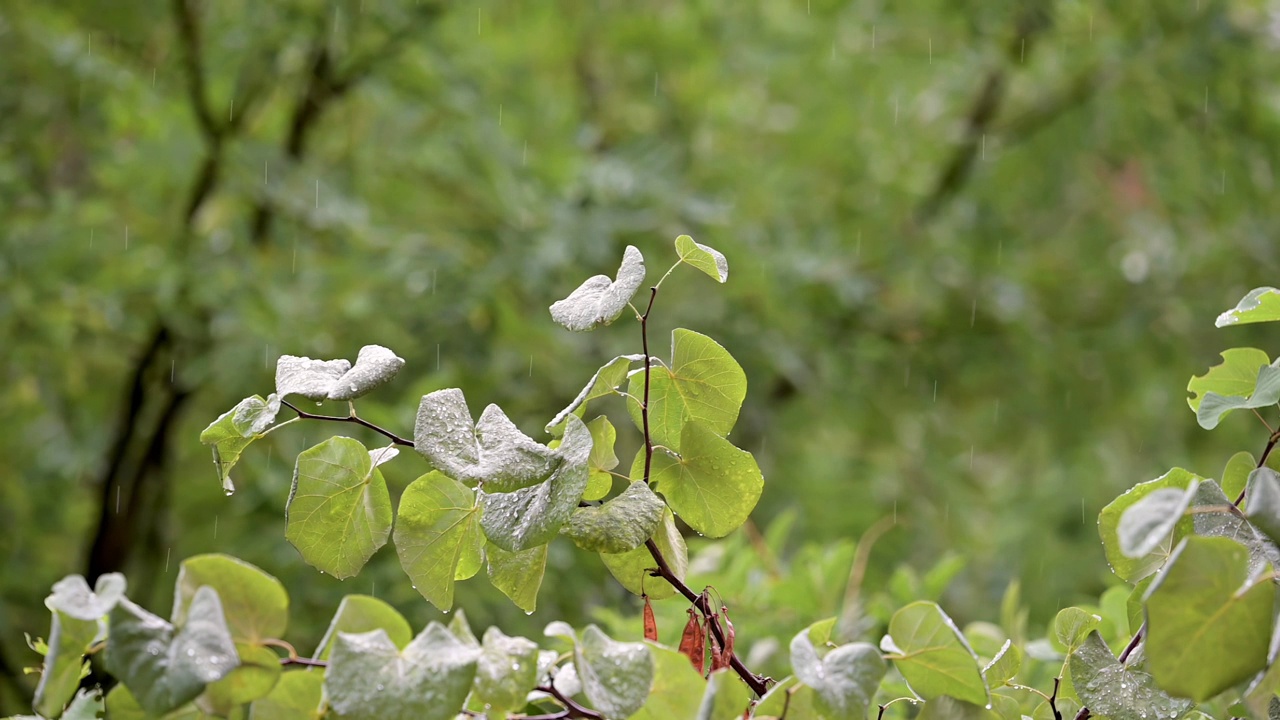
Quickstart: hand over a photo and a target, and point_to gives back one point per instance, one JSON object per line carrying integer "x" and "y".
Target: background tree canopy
{"x": 974, "y": 247}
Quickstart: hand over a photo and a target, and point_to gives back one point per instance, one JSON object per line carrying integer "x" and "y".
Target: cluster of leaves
{"x": 1195, "y": 623}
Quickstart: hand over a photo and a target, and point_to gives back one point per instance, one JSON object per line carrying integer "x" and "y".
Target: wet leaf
{"x": 1207, "y": 625}
{"x": 935, "y": 658}
{"x": 164, "y": 668}
{"x": 703, "y": 383}
{"x": 604, "y": 382}
{"x": 677, "y": 688}
{"x": 726, "y": 697}
{"x": 361, "y": 614}
{"x": 616, "y": 676}
{"x": 370, "y": 679}
{"x": 599, "y": 300}
{"x": 1237, "y": 375}
{"x": 1266, "y": 391}
{"x": 1259, "y": 305}
{"x": 1149, "y": 522}
{"x": 1115, "y": 691}
{"x": 845, "y": 679}
{"x": 703, "y": 257}
{"x": 1264, "y": 501}
{"x": 711, "y": 485}
{"x": 601, "y": 460}
{"x": 518, "y": 575}
{"x": 374, "y": 366}
{"x": 296, "y": 696}
{"x": 1134, "y": 569}
{"x": 255, "y": 604}
{"x": 64, "y": 666}
{"x": 339, "y": 510}
{"x": 72, "y": 596}
{"x": 437, "y": 531}
{"x": 506, "y": 671}
{"x": 631, "y": 569}
{"x": 312, "y": 379}
{"x": 1072, "y": 625}
{"x": 492, "y": 452}
{"x": 620, "y": 524}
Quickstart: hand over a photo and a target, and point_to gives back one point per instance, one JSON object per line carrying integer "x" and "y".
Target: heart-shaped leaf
{"x": 532, "y": 516}
{"x": 1148, "y": 523}
{"x": 518, "y": 575}
{"x": 164, "y": 669}
{"x": 726, "y": 697}
{"x": 437, "y": 530}
{"x": 253, "y": 678}
{"x": 492, "y": 452}
{"x": 599, "y": 300}
{"x": 1265, "y": 391}
{"x": 64, "y": 664}
{"x": 1235, "y": 476}
{"x": 1004, "y": 667}
{"x": 703, "y": 257}
{"x": 703, "y": 382}
{"x": 312, "y": 379}
{"x": 934, "y": 657}
{"x": 368, "y": 678}
{"x": 621, "y": 524}
{"x": 374, "y": 366}
{"x": 711, "y": 485}
{"x": 1072, "y": 625}
{"x": 1134, "y": 569}
{"x": 255, "y": 603}
{"x": 234, "y": 430}
{"x": 631, "y": 568}
{"x": 846, "y": 679}
{"x": 339, "y": 510}
{"x": 361, "y": 614}
{"x": 616, "y": 676}
{"x": 1237, "y": 374}
{"x": 1214, "y": 515}
{"x": 506, "y": 671}
{"x": 72, "y": 596}
{"x": 1207, "y": 625}
{"x": 1115, "y": 691}
{"x": 604, "y": 382}
{"x": 1260, "y": 305}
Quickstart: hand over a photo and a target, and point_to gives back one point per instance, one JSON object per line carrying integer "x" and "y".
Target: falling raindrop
{"x": 167, "y": 552}
{"x": 215, "y": 525}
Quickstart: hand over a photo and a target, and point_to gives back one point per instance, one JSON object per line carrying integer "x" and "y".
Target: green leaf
{"x": 602, "y": 458}
{"x": 362, "y": 614}
{"x": 599, "y": 300}
{"x": 1004, "y": 667}
{"x": 711, "y": 485}
{"x": 437, "y": 531}
{"x": 846, "y": 679}
{"x": 1148, "y": 523}
{"x": 949, "y": 708}
{"x": 1134, "y": 569}
{"x": 312, "y": 379}
{"x": 632, "y": 568}
{"x": 1214, "y": 516}
{"x": 621, "y": 524}
{"x": 532, "y": 516}
{"x": 1235, "y": 476}
{"x": 493, "y": 452}
{"x": 788, "y": 698}
{"x": 295, "y": 697}
{"x": 1115, "y": 691}
{"x": 369, "y": 679}
{"x": 506, "y": 671}
{"x": 234, "y": 430}
{"x": 518, "y": 575}
{"x": 72, "y": 596}
{"x": 165, "y": 669}
{"x": 257, "y": 674}
{"x": 702, "y": 383}
{"x": 1207, "y": 625}
{"x": 1260, "y": 305}
{"x": 726, "y": 697}
{"x": 461, "y": 629}
{"x": 1072, "y": 625}
{"x": 1266, "y": 391}
{"x": 255, "y": 604}
{"x": 605, "y": 382}
{"x": 1264, "y": 501}
{"x": 1236, "y": 375}
{"x": 1135, "y": 608}
{"x": 705, "y": 258}
{"x": 339, "y": 510}
{"x": 375, "y": 365}
{"x": 64, "y": 665}
{"x": 677, "y": 687}
{"x": 934, "y": 657}
{"x": 616, "y": 676}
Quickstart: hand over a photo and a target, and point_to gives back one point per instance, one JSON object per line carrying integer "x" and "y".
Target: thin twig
{"x": 307, "y": 662}
{"x": 351, "y": 419}
{"x": 759, "y": 685}
{"x": 572, "y": 709}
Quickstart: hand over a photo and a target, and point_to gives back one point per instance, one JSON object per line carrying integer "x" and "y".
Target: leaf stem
{"x": 758, "y": 684}
{"x": 352, "y": 418}
{"x": 571, "y": 708}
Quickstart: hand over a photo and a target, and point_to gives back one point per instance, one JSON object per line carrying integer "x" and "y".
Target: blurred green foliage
{"x": 976, "y": 253}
